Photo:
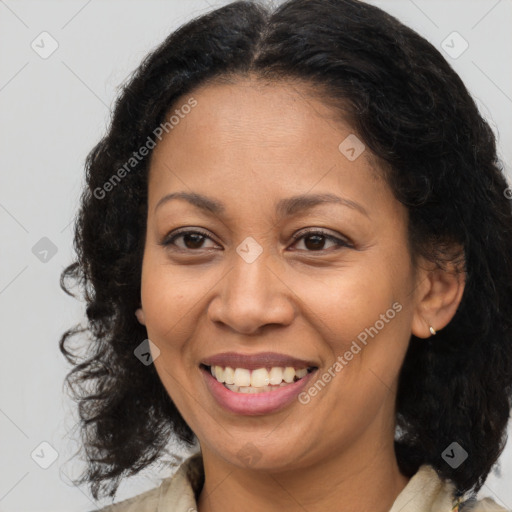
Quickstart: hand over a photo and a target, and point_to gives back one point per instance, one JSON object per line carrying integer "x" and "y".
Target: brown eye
{"x": 192, "y": 240}
{"x": 315, "y": 241}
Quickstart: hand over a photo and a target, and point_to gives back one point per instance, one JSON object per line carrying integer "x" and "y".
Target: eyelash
{"x": 169, "y": 241}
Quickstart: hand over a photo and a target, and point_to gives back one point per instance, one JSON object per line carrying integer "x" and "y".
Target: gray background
{"x": 53, "y": 110}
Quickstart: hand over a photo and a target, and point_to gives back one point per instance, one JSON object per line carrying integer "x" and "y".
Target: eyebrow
{"x": 284, "y": 208}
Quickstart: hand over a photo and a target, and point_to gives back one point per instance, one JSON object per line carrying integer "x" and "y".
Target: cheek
{"x": 347, "y": 300}
{"x": 347, "y": 314}
{"x": 362, "y": 314}
{"x": 168, "y": 298}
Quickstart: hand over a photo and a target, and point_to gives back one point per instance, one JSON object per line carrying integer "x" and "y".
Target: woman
{"x": 295, "y": 248}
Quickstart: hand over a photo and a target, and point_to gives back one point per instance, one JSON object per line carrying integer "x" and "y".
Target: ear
{"x": 140, "y": 316}
{"x": 438, "y": 295}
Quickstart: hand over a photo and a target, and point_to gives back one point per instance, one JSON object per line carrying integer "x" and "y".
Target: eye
{"x": 314, "y": 240}
{"x": 192, "y": 239}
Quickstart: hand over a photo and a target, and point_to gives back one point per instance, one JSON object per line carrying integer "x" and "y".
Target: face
{"x": 254, "y": 271}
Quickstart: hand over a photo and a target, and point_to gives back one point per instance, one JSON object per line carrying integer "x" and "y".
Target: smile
{"x": 260, "y": 380}
{"x": 256, "y": 400}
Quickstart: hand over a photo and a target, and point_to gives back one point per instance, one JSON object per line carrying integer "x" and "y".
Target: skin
{"x": 248, "y": 145}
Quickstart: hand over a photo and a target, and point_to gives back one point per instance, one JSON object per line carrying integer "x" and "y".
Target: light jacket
{"x": 425, "y": 492}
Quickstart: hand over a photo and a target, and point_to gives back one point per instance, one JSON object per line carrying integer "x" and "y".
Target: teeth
{"x": 219, "y": 374}
{"x": 276, "y": 375}
{"x": 250, "y": 389}
{"x": 242, "y": 378}
{"x": 247, "y": 389}
{"x": 301, "y": 373}
{"x": 289, "y": 374}
{"x": 259, "y": 378}
{"x": 229, "y": 375}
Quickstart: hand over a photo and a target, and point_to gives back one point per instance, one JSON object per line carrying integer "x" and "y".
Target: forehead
{"x": 253, "y": 138}
{"x": 272, "y": 112}
{"x": 232, "y": 114}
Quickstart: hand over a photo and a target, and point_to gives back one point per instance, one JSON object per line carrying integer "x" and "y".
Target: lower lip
{"x": 254, "y": 403}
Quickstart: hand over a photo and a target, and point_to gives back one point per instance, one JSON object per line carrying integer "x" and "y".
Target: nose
{"x": 251, "y": 296}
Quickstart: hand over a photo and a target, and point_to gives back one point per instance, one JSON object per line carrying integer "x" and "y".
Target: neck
{"x": 363, "y": 477}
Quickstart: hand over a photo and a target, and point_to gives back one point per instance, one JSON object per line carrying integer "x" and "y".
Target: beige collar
{"x": 425, "y": 491}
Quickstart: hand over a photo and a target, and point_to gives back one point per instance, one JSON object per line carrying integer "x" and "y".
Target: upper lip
{"x": 255, "y": 361}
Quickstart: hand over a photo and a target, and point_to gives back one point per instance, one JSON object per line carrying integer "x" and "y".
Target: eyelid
{"x": 339, "y": 240}
{"x": 170, "y": 237}
{"x": 327, "y": 234}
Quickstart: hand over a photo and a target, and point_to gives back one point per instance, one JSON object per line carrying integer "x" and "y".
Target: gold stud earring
{"x": 432, "y": 331}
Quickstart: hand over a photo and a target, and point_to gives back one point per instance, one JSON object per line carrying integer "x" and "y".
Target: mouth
{"x": 258, "y": 380}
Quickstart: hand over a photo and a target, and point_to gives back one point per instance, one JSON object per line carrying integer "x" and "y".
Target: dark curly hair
{"x": 437, "y": 154}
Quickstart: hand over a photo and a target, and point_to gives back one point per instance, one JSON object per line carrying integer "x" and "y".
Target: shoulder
{"x": 145, "y": 502}
{"x": 177, "y": 492}
{"x": 483, "y": 505}
{"x": 427, "y": 491}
